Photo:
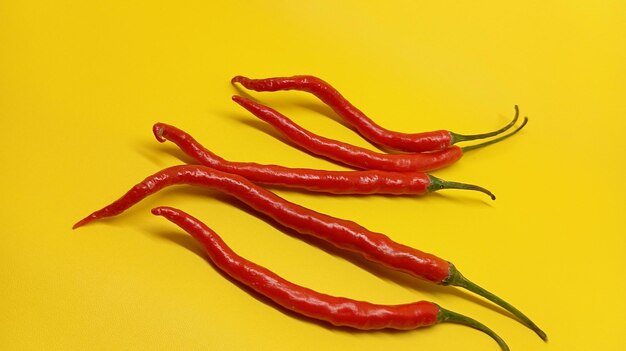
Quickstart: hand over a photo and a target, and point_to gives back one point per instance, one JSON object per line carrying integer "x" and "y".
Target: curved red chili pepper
{"x": 342, "y": 233}
{"x": 336, "y": 182}
{"x": 339, "y": 311}
{"x": 410, "y": 142}
{"x": 357, "y": 156}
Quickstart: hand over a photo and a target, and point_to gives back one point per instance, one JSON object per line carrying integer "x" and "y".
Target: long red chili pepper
{"x": 357, "y": 156}
{"x": 342, "y": 233}
{"x": 336, "y": 182}
{"x": 410, "y": 142}
{"x": 338, "y": 311}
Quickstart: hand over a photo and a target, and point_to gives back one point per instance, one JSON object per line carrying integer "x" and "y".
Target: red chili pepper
{"x": 336, "y": 182}
{"x": 357, "y": 156}
{"x": 338, "y": 311}
{"x": 342, "y": 233}
{"x": 411, "y": 142}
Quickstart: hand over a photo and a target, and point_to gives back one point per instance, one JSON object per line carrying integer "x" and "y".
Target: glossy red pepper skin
{"x": 339, "y": 311}
{"x": 342, "y": 233}
{"x": 410, "y": 142}
{"x": 335, "y": 182}
{"x": 350, "y": 154}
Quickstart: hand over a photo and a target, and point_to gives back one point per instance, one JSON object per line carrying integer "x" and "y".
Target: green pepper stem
{"x": 444, "y": 316}
{"x": 438, "y": 184}
{"x": 457, "y": 138}
{"x": 455, "y": 278}
{"x": 493, "y": 141}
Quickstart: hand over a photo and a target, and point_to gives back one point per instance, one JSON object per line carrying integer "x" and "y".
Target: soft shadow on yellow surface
{"x": 82, "y": 83}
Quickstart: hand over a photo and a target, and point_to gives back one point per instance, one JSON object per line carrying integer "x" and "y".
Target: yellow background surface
{"x": 81, "y": 84}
